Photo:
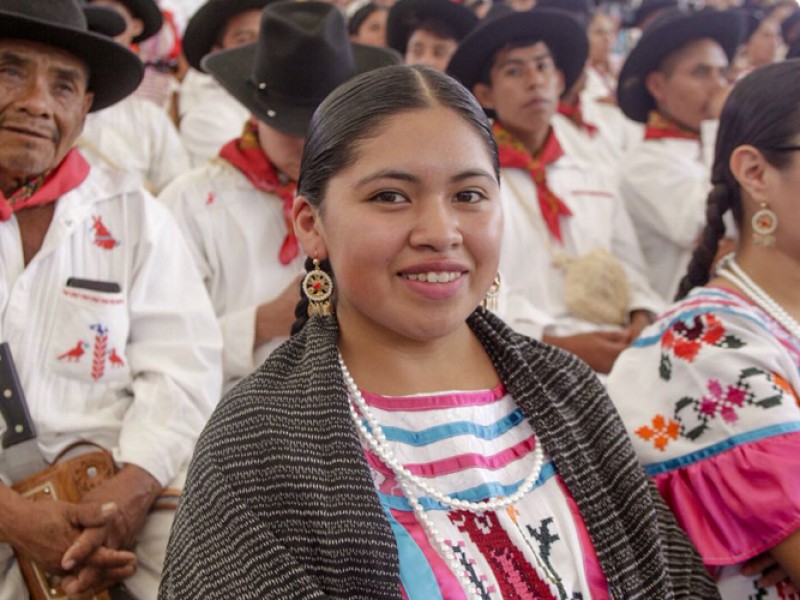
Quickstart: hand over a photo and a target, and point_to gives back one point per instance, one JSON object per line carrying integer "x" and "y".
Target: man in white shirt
{"x": 564, "y": 225}
{"x": 209, "y": 116}
{"x": 135, "y": 135}
{"x": 674, "y": 82}
{"x": 114, "y": 338}
{"x": 235, "y": 211}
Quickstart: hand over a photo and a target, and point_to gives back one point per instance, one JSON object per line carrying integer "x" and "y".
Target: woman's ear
{"x": 308, "y": 228}
{"x": 749, "y": 168}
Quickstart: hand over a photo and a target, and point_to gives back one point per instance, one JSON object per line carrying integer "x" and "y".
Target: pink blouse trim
{"x": 739, "y": 503}
{"x": 432, "y": 402}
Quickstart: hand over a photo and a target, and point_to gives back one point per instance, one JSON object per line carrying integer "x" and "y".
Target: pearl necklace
{"x": 730, "y": 270}
{"x": 376, "y": 440}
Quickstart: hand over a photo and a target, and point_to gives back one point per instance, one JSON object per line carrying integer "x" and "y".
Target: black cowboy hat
{"x": 149, "y": 14}
{"x": 789, "y": 29}
{"x": 672, "y": 29}
{"x": 405, "y": 17}
{"x": 650, "y": 7}
{"x": 302, "y": 55}
{"x": 207, "y": 23}
{"x": 104, "y": 20}
{"x": 559, "y": 30}
{"x": 114, "y": 71}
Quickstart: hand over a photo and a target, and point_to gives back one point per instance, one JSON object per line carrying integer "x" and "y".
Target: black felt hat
{"x": 207, "y": 24}
{"x": 302, "y": 55}
{"x": 406, "y": 16}
{"x": 559, "y": 30}
{"x": 104, "y": 20}
{"x": 650, "y": 7}
{"x": 114, "y": 71}
{"x": 671, "y": 30}
{"x": 149, "y": 14}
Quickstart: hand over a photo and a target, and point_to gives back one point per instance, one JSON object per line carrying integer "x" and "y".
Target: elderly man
{"x": 674, "y": 82}
{"x": 114, "y": 338}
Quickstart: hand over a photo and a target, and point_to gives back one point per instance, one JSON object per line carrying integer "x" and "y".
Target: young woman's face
{"x": 413, "y": 227}
{"x": 373, "y": 30}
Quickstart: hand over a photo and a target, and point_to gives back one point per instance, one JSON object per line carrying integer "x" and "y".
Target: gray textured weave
{"x": 280, "y": 503}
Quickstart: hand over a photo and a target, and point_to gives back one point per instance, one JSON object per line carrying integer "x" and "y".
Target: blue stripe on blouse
{"x": 449, "y": 430}
{"x": 474, "y": 494}
{"x": 416, "y": 574}
{"x": 756, "y": 435}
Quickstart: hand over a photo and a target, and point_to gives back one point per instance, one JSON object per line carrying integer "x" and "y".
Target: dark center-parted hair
{"x": 359, "y": 110}
{"x": 763, "y": 111}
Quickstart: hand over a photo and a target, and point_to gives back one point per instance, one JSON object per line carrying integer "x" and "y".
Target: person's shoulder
{"x": 206, "y": 185}
{"x": 109, "y": 183}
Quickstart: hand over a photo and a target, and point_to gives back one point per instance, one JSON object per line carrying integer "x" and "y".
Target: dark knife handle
{"x": 13, "y": 407}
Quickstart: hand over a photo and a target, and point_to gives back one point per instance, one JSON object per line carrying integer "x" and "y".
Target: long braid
{"x": 301, "y": 310}
{"x": 723, "y": 197}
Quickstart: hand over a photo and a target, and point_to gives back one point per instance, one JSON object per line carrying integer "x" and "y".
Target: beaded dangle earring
{"x": 318, "y": 288}
{"x": 489, "y": 301}
{"x": 764, "y": 224}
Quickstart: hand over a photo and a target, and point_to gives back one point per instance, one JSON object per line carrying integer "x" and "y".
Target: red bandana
{"x": 515, "y": 156}
{"x": 660, "y": 127}
{"x": 245, "y": 154}
{"x": 47, "y": 187}
{"x": 575, "y": 114}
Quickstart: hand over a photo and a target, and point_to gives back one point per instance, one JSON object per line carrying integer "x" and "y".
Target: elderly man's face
{"x": 43, "y": 104}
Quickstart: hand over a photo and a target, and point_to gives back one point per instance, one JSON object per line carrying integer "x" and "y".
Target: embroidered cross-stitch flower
{"x": 661, "y": 431}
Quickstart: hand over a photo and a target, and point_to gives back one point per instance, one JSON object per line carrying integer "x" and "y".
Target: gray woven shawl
{"x": 280, "y": 503}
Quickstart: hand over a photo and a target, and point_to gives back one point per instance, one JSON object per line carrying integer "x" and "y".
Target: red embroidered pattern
{"x": 99, "y": 351}
{"x": 685, "y": 338}
{"x": 102, "y": 236}
{"x": 516, "y": 577}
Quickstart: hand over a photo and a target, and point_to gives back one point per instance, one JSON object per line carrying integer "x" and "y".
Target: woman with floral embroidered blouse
{"x": 709, "y": 393}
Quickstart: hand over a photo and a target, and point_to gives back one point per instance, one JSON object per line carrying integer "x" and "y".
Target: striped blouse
{"x": 472, "y": 446}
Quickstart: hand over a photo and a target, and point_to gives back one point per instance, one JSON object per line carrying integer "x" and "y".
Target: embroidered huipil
{"x": 718, "y": 427}
{"x": 532, "y": 290}
{"x": 664, "y": 183}
{"x": 473, "y": 445}
{"x": 135, "y": 135}
{"x": 235, "y": 233}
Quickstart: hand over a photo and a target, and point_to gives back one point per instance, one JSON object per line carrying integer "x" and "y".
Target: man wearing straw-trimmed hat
{"x": 114, "y": 339}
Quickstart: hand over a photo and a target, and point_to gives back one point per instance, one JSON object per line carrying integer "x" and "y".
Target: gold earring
{"x": 489, "y": 301}
{"x": 764, "y": 224}
{"x": 318, "y": 288}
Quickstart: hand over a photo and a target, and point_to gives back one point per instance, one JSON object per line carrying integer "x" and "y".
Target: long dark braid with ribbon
{"x": 722, "y": 197}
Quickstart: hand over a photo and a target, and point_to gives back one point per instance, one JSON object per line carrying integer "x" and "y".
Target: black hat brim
{"x": 406, "y": 15}
{"x": 104, "y": 20}
{"x": 114, "y": 71}
{"x": 150, "y": 15}
{"x": 203, "y": 29}
{"x": 233, "y": 69}
{"x": 660, "y": 40}
{"x": 560, "y": 31}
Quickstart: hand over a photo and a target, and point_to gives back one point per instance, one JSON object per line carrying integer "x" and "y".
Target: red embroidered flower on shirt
{"x": 686, "y": 338}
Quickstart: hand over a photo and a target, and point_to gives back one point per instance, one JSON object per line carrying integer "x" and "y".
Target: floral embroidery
{"x": 685, "y": 338}
{"x": 661, "y": 432}
{"x": 695, "y": 416}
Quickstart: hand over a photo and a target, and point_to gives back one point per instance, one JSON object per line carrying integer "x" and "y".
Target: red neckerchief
{"x": 245, "y": 154}
{"x": 47, "y": 187}
{"x": 515, "y": 156}
{"x": 660, "y": 127}
{"x": 575, "y": 114}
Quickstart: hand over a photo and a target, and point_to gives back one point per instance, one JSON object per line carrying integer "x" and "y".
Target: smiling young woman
{"x": 408, "y": 443}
